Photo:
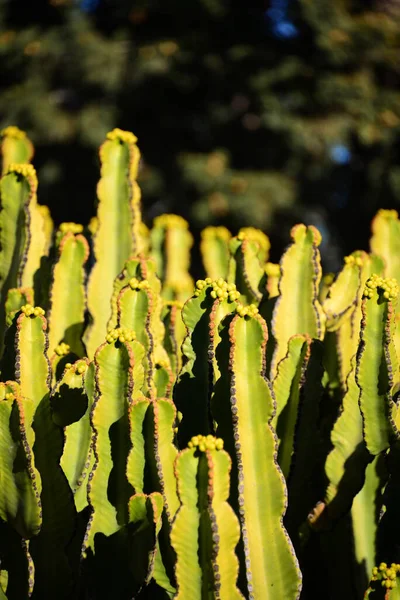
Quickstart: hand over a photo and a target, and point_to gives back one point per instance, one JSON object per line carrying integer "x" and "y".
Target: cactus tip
{"x": 298, "y": 232}
{"x": 216, "y": 233}
{"x": 135, "y": 284}
{"x": 247, "y": 311}
{"x": 71, "y": 228}
{"x": 220, "y": 289}
{"x": 27, "y": 171}
{"x": 388, "y": 287}
{"x": 13, "y": 132}
{"x": 123, "y": 136}
{"x": 171, "y": 221}
{"x": 121, "y": 334}
{"x": 32, "y": 311}
{"x": 206, "y": 442}
{"x": 255, "y": 235}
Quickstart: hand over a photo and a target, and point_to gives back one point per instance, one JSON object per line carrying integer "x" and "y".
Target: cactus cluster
{"x": 237, "y": 437}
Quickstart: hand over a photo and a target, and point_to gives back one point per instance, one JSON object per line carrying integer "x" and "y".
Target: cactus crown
{"x": 206, "y": 442}
{"x": 120, "y": 334}
{"x": 247, "y": 311}
{"x": 135, "y": 284}
{"x": 221, "y": 233}
{"x": 71, "y": 228}
{"x": 27, "y": 171}
{"x": 32, "y": 311}
{"x": 123, "y": 136}
{"x": 386, "y": 575}
{"x": 13, "y": 132}
{"x": 219, "y": 289}
{"x": 256, "y": 235}
{"x": 167, "y": 221}
{"x": 388, "y": 287}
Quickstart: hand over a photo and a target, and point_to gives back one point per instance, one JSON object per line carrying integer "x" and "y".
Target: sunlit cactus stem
{"x": 377, "y": 365}
{"x": 15, "y": 147}
{"x": 297, "y": 309}
{"x": 117, "y": 230}
{"x": 205, "y": 531}
{"x": 202, "y": 314}
{"x": 243, "y": 406}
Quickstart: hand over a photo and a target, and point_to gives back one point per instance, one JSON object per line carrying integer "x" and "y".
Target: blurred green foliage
{"x": 258, "y": 114}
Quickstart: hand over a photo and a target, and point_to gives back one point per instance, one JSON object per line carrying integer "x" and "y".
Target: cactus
{"x": 205, "y": 531}
{"x": 202, "y": 313}
{"x": 171, "y": 242}
{"x": 243, "y": 395}
{"x": 15, "y": 148}
{"x": 298, "y": 292}
{"x": 377, "y": 367}
{"x": 114, "y": 386}
{"x": 66, "y": 313}
{"x": 215, "y": 251}
{"x": 117, "y": 231}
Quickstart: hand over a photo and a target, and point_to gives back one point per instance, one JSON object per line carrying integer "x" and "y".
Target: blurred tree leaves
{"x": 297, "y": 101}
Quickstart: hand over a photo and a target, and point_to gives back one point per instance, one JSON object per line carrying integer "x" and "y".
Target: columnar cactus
{"x": 118, "y": 372}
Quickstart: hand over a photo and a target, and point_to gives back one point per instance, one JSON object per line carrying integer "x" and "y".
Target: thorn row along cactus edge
{"x": 237, "y": 437}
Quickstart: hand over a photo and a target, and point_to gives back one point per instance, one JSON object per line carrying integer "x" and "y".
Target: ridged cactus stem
{"x": 215, "y": 251}
{"x": 377, "y": 366}
{"x": 246, "y": 269}
{"x": 15, "y": 147}
{"x": 32, "y": 371}
{"x": 20, "y": 503}
{"x": 205, "y": 531}
{"x": 243, "y": 407}
{"x": 117, "y": 230}
{"x": 201, "y": 314}
{"x": 72, "y": 400}
{"x": 171, "y": 242}
{"x": 67, "y": 311}
{"x": 118, "y": 379}
{"x": 150, "y": 468}
{"x": 297, "y": 309}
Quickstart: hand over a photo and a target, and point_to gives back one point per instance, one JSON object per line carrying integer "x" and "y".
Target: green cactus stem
{"x": 343, "y": 292}
{"x": 205, "y": 531}
{"x": 144, "y": 527}
{"x": 347, "y": 461}
{"x": 214, "y": 248}
{"x": 243, "y": 407}
{"x": 134, "y": 307}
{"x": 246, "y": 270}
{"x": 170, "y": 248}
{"x": 117, "y": 232}
{"x": 16, "y": 299}
{"x": 150, "y": 468}
{"x": 20, "y": 503}
{"x": 297, "y": 309}
{"x": 385, "y": 241}
{"x": 15, "y": 147}
{"x": 298, "y": 392}
{"x": 175, "y": 332}
{"x": 348, "y": 334}
{"x": 66, "y": 312}
{"x": 201, "y": 314}
{"x": 32, "y": 372}
{"x": 119, "y": 378}
{"x": 72, "y": 400}
{"x": 377, "y": 367}
{"x": 273, "y": 273}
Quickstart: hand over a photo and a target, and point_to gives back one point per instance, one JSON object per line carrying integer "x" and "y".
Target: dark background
{"x": 247, "y": 113}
